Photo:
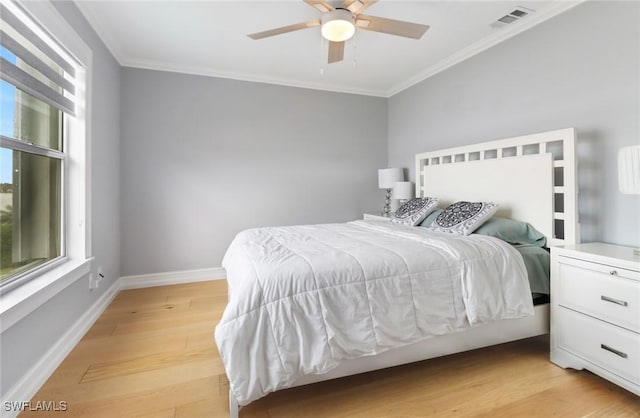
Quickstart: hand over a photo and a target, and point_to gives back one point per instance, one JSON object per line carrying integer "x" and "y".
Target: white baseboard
{"x": 172, "y": 277}
{"x": 26, "y": 388}
{"x": 31, "y": 382}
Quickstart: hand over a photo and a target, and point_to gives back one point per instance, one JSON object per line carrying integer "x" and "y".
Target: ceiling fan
{"x": 339, "y": 24}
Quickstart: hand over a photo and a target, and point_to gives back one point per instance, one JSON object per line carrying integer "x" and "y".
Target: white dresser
{"x": 595, "y": 311}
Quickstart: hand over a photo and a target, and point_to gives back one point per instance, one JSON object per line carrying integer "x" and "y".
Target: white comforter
{"x": 303, "y": 298}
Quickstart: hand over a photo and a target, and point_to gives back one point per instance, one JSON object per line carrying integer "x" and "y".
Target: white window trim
{"x": 21, "y": 301}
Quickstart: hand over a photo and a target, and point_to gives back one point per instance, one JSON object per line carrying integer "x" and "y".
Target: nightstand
{"x": 371, "y": 217}
{"x": 595, "y": 311}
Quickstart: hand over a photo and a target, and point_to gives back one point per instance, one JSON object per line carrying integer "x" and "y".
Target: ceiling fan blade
{"x": 391, "y": 27}
{"x": 285, "y": 29}
{"x": 321, "y": 6}
{"x": 336, "y": 51}
{"x": 358, "y": 6}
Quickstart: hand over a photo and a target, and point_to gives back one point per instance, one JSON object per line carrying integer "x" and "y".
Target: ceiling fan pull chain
{"x": 355, "y": 52}
{"x": 322, "y": 54}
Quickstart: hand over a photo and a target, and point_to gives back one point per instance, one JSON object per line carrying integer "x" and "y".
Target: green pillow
{"x": 512, "y": 231}
{"x": 432, "y": 217}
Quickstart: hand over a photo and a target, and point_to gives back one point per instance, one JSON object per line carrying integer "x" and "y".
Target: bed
{"x": 317, "y": 302}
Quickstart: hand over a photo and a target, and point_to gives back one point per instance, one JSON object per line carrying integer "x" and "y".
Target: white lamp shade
{"x": 403, "y": 190}
{"x": 387, "y": 177}
{"x": 629, "y": 170}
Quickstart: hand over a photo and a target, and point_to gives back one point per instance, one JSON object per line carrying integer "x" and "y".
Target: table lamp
{"x": 403, "y": 191}
{"x": 387, "y": 178}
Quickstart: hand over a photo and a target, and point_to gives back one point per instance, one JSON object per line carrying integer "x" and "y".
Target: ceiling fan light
{"x": 338, "y": 26}
{"x": 338, "y": 30}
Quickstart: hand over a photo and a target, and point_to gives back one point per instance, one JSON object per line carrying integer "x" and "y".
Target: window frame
{"x": 22, "y": 146}
{"x": 25, "y": 294}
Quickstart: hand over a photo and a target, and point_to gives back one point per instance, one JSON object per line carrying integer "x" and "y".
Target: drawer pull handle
{"x": 613, "y": 350}
{"x": 612, "y": 300}
{"x": 613, "y": 273}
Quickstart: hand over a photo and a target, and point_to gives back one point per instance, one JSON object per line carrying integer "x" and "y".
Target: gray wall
{"x": 27, "y": 341}
{"x": 580, "y": 69}
{"x": 204, "y": 158}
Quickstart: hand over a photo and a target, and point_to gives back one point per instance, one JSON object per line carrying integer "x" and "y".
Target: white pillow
{"x": 462, "y": 218}
{"x": 414, "y": 211}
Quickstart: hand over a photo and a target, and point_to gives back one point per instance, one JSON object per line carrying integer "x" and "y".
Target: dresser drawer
{"x": 612, "y": 348}
{"x": 605, "y": 292}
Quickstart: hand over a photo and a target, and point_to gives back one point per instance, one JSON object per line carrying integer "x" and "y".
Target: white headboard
{"x": 532, "y": 178}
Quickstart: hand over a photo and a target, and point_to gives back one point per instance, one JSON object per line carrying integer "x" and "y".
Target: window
{"x": 38, "y": 107}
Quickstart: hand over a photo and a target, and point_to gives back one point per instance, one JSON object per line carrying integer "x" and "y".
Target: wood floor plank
{"x": 139, "y": 402}
{"x": 106, "y": 370}
{"x": 201, "y": 340}
{"x": 561, "y": 400}
{"x": 202, "y": 409}
{"x": 209, "y": 302}
{"x": 154, "y": 332}
{"x": 123, "y": 386}
{"x": 100, "y": 329}
{"x": 163, "y": 363}
{"x": 150, "y": 310}
{"x": 165, "y": 323}
{"x": 165, "y": 413}
{"x": 121, "y": 347}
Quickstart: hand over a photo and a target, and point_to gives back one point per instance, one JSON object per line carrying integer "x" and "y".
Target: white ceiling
{"x": 209, "y": 38}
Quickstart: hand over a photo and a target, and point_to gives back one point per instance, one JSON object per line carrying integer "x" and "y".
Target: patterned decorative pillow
{"x": 414, "y": 211}
{"x": 462, "y": 218}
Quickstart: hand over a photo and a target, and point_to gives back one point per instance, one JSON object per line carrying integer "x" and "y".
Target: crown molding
{"x": 486, "y": 43}
{"x": 254, "y": 78}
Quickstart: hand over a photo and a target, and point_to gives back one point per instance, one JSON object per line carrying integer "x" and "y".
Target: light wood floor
{"x": 152, "y": 354}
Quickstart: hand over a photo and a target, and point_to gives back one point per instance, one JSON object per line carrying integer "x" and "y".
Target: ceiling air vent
{"x": 507, "y": 19}
{"x": 516, "y": 14}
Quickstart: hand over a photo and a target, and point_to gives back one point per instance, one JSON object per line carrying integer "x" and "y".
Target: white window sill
{"x": 21, "y": 301}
